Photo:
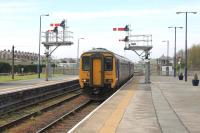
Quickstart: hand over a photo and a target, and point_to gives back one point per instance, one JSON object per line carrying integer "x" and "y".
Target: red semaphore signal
{"x": 126, "y": 28}
{"x": 55, "y": 25}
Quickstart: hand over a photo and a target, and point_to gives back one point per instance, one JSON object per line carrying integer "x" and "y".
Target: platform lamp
{"x": 78, "y": 50}
{"x": 167, "y": 50}
{"x": 38, "y": 67}
{"x": 167, "y": 57}
{"x": 186, "y": 40}
{"x": 175, "y": 27}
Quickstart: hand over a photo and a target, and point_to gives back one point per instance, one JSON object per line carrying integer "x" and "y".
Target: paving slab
{"x": 23, "y": 84}
{"x": 167, "y": 105}
{"x": 107, "y": 117}
{"x": 184, "y": 101}
{"x": 140, "y": 116}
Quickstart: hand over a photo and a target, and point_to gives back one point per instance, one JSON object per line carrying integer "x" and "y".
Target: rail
{"x": 16, "y": 121}
{"x": 65, "y": 115}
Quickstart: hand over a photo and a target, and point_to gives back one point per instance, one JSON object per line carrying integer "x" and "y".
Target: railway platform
{"x": 167, "y": 105}
{"x": 13, "y": 86}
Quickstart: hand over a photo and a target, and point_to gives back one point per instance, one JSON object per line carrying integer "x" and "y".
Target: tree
{"x": 193, "y": 57}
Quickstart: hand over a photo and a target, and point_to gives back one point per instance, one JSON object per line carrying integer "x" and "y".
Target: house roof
{"x": 165, "y": 58}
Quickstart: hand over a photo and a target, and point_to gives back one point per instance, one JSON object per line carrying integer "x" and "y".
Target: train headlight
{"x": 85, "y": 80}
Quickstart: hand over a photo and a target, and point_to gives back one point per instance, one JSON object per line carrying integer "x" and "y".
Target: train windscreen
{"x": 86, "y": 63}
{"x": 108, "y": 63}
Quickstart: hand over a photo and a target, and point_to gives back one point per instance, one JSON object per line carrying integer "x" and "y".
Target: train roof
{"x": 99, "y": 50}
{"x": 107, "y": 51}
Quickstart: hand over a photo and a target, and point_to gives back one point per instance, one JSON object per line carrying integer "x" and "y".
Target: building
{"x": 20, "y": 57}
{"x": 165, "y": 65}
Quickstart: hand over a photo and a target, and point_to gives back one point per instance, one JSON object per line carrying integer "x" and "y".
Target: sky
{"x": 94, "y": 20}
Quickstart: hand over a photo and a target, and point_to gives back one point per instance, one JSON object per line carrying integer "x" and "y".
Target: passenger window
{"x": 86, "y": 63}
{"x": 108, "y": 63}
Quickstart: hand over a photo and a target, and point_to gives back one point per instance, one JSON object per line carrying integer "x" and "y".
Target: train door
{"x": 97, "y": 71}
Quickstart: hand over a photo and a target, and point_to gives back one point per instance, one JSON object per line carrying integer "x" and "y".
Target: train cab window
{"x": 86, "y": 63}
{"x": 108, "y": 63}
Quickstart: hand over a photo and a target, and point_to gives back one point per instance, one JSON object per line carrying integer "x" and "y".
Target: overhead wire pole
{"x": 186, "y": 41}
{"x": 175, "y": 27}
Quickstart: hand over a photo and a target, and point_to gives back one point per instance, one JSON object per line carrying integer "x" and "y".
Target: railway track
{"x": 17, "y": 116}
{"x": 46, "y": 118}
{"x": 39, "y": 96}
{"x": 69, "y": 119}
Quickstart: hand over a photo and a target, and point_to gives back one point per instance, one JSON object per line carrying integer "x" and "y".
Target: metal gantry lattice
{"x": 55, "y": 38}
{"x": 132, "y": 43}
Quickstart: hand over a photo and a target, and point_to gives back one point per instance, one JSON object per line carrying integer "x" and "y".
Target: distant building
{"x": 20, "y": 57}
{"x": 67, "y": 60}
{"x": 68, "y": 66}
{"x": 164, "y": 65}
{"x": 68, "y": 63}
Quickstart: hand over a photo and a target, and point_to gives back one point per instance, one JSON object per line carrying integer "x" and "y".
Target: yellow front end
{"x": 84, "y": 76}
{"x": 110, "y": 77}
{"x": 101, "y": 74}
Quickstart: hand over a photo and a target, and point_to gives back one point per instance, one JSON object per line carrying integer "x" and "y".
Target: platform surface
{"x": 11, "y": 86}
{"x": 167, "y": 105}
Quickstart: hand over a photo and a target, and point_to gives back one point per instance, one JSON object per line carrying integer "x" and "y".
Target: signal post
{"x": 146, "y": 50}
{"x": 54, "y": 38}
{"x": 130, "y": 44}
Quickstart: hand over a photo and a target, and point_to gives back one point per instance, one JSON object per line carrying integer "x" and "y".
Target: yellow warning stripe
{"x": 113, "y": 121}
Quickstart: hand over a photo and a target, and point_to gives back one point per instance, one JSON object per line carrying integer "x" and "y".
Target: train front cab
{"x": 97, "y": 74}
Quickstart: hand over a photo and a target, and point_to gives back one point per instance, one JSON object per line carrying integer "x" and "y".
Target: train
{"x": 102, "y": 72}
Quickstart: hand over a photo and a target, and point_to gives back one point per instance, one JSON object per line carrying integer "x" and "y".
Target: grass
{"x": 8, "y": 78}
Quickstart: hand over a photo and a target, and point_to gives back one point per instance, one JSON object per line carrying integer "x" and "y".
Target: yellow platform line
{"x": 113, "y": 121}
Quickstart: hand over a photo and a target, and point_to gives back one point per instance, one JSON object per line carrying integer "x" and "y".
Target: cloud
{"x": 17, "y": 11}
{"x": 189, "y": 7}
{"x": 14, "y": 7}
{"x": 105, "y": 14}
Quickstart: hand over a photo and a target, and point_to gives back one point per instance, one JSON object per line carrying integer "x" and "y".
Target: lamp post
{"x": 78, "y": 50}
{"x": 175, "y": 48}
{"x": 167, "y": 62}
{"x": 186, "y": 40}
{"x": 167, "y": 50}
{"x": 38, "y": 67}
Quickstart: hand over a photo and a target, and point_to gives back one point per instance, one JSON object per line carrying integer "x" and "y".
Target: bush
{"x": 27, "y": 68}
{"x": 5, "y": 67}
{"x": 196, "y": 77}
